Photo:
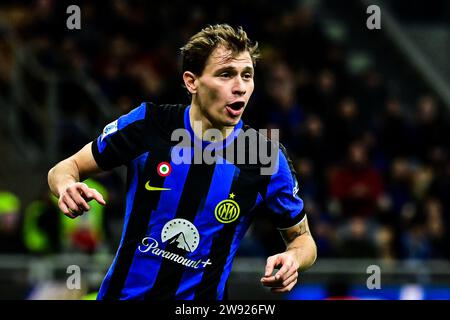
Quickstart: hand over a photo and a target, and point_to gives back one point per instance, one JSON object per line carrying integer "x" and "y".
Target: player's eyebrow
{"x": 232, "y": 69}
{"x": 248, "y": 69}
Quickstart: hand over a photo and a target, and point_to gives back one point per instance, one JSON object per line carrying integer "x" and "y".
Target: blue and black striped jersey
{"x": 184, "y": 222}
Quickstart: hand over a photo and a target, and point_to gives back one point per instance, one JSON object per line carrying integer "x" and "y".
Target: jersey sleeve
{"x": 282, "y": 199}
{"x": 121, "y": 140}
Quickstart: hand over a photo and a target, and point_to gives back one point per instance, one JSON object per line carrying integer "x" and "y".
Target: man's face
{"x": 225, "y": 86}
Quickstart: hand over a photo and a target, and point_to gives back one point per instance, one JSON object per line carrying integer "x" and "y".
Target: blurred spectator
{"x": 344, "y": 127}
{"x": 323, "y": 96}
{"x": 285, "y": 113}
{"x": 313, "y": 192}
{"x": 416, "y": 243}
{"x": 356, "y": 185}
{"x": 41, "y": 226}
{"x": 10, "y": 224}
{"x": 422, "y": 178}
{"x": 394, "y": 131}
{"x": 313, "y": 144}
{"x": 372, "y": 94}
{"x": 400, "y": 185}
{"x": 436, "y": 229}
{"x": 440, "y": 190}
{"x": 431, "y": 128}
{"x": 357, "y": 240}
{"x": 385, "y": 243}
{"x": 302, "y": 38}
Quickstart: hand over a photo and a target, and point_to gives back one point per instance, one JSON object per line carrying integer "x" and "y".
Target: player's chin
{"x": 231, "y": 121}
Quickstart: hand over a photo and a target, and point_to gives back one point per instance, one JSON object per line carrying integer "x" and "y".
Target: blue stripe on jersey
{"x": 136, "y": 167}
{"x": 259, "y": 199}
{"x": 143, "y": 270}
{"x": 133, "y": 116}
{"x": 207, "y": 225}
{"x": 101, "y": 144}
{"x": 125, "y": 120}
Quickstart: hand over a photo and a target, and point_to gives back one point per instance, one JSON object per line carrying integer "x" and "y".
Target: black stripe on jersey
{"x": 245, "y": 195}
{"x": 220, "y": 249}
{"x": 195, "y": 190}
{"x": 289, "y": 161}
{"x": 144, "y": 201}
{"x": 267, "y": 179}
{"x": 165, "y": 119}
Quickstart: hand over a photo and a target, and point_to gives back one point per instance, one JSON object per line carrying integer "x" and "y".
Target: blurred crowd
{"x": 373, "y": 169}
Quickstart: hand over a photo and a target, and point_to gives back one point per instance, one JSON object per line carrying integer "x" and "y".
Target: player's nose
{"x": 239, "y": 87}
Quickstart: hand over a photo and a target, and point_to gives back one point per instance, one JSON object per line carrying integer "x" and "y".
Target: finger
{"x": 285, "y": 289}
{"x": 281, "y": 283}
{"x": 82, "y": 186}
{"x": 69, "y": 212}
{"x": 289, "y": 273}
{"x": 73, "y": 208}
{"x": 86, "y": 192}
{"x": 271, "y": 283}
{"x": 289, "y": 280}
{"x": 91, "y": 193}
{"x": 72, "y": 214}
{"x": 284, "y": 269}
{"x": 98, "y": 197}
{"x": 81, "y": 203}
{"x": 270, "y": 266}
{"x": 65, "y": 209}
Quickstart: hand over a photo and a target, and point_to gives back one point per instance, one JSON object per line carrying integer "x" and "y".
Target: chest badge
{"x": 227, "y": 210}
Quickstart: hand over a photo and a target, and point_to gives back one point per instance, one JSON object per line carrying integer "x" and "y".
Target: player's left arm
{"x": 300, "y": 254}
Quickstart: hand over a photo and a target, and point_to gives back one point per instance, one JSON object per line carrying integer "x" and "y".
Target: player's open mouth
{"x": 236, "y": 108}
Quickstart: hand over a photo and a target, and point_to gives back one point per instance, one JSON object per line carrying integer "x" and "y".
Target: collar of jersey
{"x": 215, "y": 145}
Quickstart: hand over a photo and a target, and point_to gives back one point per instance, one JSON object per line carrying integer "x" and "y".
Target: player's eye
{"x": 248, "y": 76}
{"x": 225, "y": 75}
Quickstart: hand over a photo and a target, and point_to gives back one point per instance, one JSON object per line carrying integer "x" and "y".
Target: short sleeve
{"x": 121, "y": 140}
{"x": 282, "y": 199}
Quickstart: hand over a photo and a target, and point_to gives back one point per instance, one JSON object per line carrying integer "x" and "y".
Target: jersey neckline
{"x": 215, "y": 145}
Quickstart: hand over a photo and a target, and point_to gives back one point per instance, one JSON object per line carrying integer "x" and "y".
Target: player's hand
{"x": 286, "y": 277}
{"x": 73, "y": 200}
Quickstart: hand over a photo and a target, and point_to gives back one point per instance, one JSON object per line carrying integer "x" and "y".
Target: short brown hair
{"x": 199, "y": 47}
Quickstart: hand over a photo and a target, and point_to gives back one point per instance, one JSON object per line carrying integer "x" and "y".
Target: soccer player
{"x": 184, "y": 220}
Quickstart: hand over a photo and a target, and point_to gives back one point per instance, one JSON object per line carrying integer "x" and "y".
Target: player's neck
{"x": 200, "y": 124}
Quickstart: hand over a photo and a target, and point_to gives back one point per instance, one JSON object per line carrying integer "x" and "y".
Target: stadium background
{"x": 363, "y": 113}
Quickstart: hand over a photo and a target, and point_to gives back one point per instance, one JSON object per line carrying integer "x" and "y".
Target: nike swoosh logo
{"x": 150, "y": 188}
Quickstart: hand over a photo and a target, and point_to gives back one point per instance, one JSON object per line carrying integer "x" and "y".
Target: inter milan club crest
{"x": 227, "y": 210}
{"x": 164, "y": 169}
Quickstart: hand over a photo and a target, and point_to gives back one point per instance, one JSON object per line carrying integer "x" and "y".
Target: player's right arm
{"x": 65, "y": 183}
{"x": 121, "y": 141}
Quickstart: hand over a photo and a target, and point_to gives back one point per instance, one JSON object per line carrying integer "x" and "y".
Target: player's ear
{"x": 190, "y": 81}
